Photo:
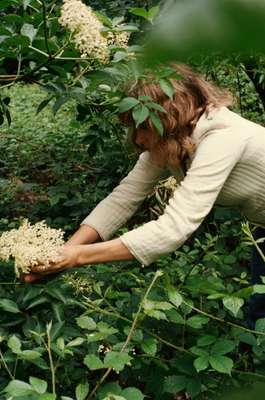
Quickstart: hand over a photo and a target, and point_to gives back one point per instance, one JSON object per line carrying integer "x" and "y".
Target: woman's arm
{"x": 77, "y": 255}
{"x": 84, "y": 235}
{"x": 112, "y": 212}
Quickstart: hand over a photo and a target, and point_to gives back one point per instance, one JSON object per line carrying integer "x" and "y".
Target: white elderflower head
{"x": 87, "y": 31}
{"x": 30, "y": 245}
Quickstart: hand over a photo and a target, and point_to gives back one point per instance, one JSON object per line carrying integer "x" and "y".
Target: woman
{"x": 218, "y": 156}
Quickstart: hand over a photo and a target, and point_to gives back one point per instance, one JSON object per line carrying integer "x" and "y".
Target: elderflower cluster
{"x": 30, "y": 245}
{"x": 87, "y": 31}
{"x": 170, "y": 183}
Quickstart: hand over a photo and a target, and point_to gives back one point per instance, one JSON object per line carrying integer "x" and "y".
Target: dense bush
{"x": 114, "y": 331}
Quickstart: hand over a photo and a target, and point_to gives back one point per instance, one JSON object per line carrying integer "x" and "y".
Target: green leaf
{"x": 221, "y": 364}
{"x": 174, "y": 383}
{"x": 38, "y": 384}
{"x": 233, "y": 304}
{"x": 17, "y": 388}
{"x": 43, "y": 104}
{"x": 29, "y": 31}
{"x": 14, "y": 344}
{"x": 139, "y": 12}
{"x": 86, "y": 322}
{"x": 193, "y": 387}
{"x": 109, "y": 388}
{"x": 157, "y": 123}
{"x": 201, "y": 363}
{"x": 58, "y": 103}
{"x": 29, "y": 355}
{"x": 9, "y": 306}
{"x": 132, "y": 393}
{"x": 156, "y": 106}
{"x": 152, "y": 13}
{"x": 116, "y": 360}
{"x": 260, "y": 289}
{"x": 174, "y": 296}
{"x": 175, "y": 316}
{"x": 260, "y": 325}
{"x": 75, "y": 342}
{"x": 167, "y": 87}
{"x": 198, "y": 351}
{"x": 149, "y": 346}
{"x": 81, "y": 391}
{"x": 206, "y": 340}
{"x": 127, "y": 103}
{"x": 197, "y": 321}
{"x": 140, "y": 114}
{"x": 93, "y": 362}
{"x": 223, "y": 346}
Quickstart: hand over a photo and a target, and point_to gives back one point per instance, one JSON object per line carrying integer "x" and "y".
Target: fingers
{"x": 48, "y": 269}
{"x": 32, "y": 278}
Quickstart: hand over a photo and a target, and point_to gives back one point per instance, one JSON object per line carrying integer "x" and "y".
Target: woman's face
{"x": 144, "y": 139}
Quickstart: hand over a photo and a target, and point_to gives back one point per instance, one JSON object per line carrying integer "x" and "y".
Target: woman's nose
{"x": 142, "y": 140}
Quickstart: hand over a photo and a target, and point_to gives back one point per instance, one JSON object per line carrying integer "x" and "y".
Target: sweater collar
{"x": 212, "y": 119}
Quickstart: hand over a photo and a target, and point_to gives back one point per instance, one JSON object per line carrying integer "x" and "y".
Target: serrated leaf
{"x": 157, "y": 123}
{"x": 197, "y": 321}
{"x": 29, "y": 31}
{"x": 75, "y": 342}
{"x": 81, "y": 391}
{"x": 233, "y": 304}
{"x": 139, "y": 12}
{"x": 17, "y": 388}
{"x": 260, "y": 289}
{"x": 156, "y": 107}
{"x": 223, "y": 346}
{"x": 174, "y": 383}
{"x": 93, "y": 362}
{"x": 140, "y": 114}
{"x": 132, "y": 393}
{"x": 14, "y": 344}
{"x": 174, "y": 296}
{"x": 260, "y": 325}
{"x": 127, "y": 104}
{"x": 206, "y": 340}
{"x": 29, "y": 355}
{"x": 149, "y": 346}
{"x": 38, "y": 384}
{"x": 152, "y": 13}
{"x": 221, "y": 364}
{"x": 201, "y": 363}
{"x": 167, "y": 87}
{"x": 86, "y": 322}
{"x": 116, "y": 360}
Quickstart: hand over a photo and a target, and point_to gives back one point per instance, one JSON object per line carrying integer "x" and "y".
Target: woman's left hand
{"x": 68, "y": 257}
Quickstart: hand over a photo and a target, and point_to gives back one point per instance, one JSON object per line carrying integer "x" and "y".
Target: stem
{"x": 45, "y": 27}
{"x": 48, "y": 348}
{"x": 222, "y": 320}
{"x": 130, "y": 334}
{"x": 6, "y": 366}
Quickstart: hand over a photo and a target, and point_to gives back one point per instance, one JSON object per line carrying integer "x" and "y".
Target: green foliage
{"x": 64, "y": 151}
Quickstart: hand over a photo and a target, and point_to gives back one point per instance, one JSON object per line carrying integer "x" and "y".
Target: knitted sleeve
{"x": 112, "y": 212}
{"x": 215, "y": 157}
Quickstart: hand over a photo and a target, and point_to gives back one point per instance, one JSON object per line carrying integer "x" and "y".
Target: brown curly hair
{"x": 192, "y": 96}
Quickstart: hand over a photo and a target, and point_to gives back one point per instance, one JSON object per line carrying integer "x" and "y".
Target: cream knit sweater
{"x": 228, "y": 168}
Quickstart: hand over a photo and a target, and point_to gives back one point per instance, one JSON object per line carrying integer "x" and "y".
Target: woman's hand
{"x": 68, "y": 257}
{"x": 81, "y": 254}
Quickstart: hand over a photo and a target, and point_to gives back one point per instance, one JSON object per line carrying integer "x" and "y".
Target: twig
{"x": 130, "y": 334}
{"x": 5, "y": 365}
{"x": 45, "y": 30}
{"x": 48, "y": 348}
